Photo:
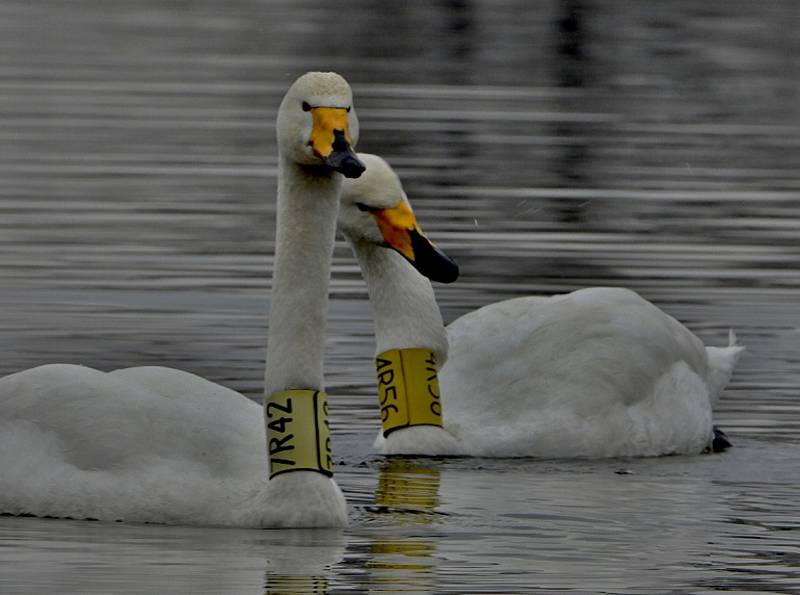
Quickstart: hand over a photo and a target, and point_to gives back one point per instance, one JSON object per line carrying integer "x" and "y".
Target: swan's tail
{"x": 721, "y": 362}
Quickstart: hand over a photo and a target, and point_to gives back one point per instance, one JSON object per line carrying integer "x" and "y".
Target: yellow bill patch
{"x": 395, "y": 225}
{"x": 325, "y": 120}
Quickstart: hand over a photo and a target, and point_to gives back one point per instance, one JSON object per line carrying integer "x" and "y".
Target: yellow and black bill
{"x": 402, "y": 233}
{"x": 331, "y": 141}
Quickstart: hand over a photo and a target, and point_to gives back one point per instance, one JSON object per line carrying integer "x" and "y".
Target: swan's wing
{"x": 78, "y": 442}
{"x": 590, "y": 348}
{"x": 177, "y": 384}
{"x": 596, "y": 363}
{"x": 105, "y": 420}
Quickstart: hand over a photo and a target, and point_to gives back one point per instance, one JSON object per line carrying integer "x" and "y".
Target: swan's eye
{"x": 348, "y": 108}
{"x": 306, "y": 107}
{"x": 362, "y": 207}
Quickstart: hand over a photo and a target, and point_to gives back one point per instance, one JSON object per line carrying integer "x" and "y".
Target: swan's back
{"x": 127, "y": 417}
{"x": 148, "y": 444}
{"x": 597, "y": 372}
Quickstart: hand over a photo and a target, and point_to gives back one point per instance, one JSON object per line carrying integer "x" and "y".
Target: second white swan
{"x": 599, "y": 372}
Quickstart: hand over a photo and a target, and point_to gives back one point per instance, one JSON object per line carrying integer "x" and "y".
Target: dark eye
{"x": 348, "y": 108}
{"x": 306, "y": 107}
{"x": 362, "y": 207}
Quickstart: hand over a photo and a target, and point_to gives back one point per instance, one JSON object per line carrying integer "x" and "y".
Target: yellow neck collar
{"x": 408, "y": 389}
{"x": 298, "y": 435}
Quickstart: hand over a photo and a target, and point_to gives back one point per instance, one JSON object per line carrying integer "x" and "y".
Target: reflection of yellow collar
{"x": 281, "y": 584}
{"x": 404, "y": 485}
{"x": 408, "y": 389}
{"x": 298, "y": 436}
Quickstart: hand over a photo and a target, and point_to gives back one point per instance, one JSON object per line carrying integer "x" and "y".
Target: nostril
{"x": 339, "y": 141}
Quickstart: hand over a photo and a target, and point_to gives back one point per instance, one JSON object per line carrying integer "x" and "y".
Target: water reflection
{"x": 547, "y": 147}
{"x": 573, "y": 72}
{"x": 296, "y": 585}
{"x": 407, "y": 494}
{"x": 406, "y": 485}
{"x": 300, "y": 561}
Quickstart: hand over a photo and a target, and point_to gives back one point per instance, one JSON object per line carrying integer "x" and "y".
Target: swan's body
{"x": 161, "y": 445}
{"x": 599, "y": 372}
{"x": 140, "y": 444}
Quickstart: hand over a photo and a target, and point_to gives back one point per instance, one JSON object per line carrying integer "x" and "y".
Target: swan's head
{"x": 374, "y": 208}
{"x": 317, "y": 123}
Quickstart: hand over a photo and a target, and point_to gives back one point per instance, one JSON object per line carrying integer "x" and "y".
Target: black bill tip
{"x": 432, "y": 262}
{"x": 343, "y": 159}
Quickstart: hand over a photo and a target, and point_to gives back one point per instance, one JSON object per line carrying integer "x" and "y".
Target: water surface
{"x": 547, "y": 146}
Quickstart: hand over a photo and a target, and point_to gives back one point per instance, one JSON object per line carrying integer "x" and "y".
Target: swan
{"x": 599, "y": 372}
{"x": 160, "y": 445}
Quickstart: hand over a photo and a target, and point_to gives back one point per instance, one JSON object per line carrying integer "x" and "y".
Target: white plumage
{"x": 600, "y": 372}
{"x": 164, "y": 446}
{"x": 140, "y": 444}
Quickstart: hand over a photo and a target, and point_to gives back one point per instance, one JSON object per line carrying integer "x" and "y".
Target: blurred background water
{"x": 546, "y": 145}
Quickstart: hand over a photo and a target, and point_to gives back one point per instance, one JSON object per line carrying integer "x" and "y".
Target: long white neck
{"x": 403, "y": 302}
{"x": 308, "y": 204}
{"x": 406, "y": 315}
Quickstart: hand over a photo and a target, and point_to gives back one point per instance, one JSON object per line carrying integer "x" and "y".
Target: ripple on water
{"x": 625, "y": 144}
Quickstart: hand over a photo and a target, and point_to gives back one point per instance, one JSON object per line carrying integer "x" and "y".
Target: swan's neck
{"x": 404, "y": 305}
{"x": 308, "y": 203}
{"x": 406, "y": 316}
{"x": 410, "y": 336}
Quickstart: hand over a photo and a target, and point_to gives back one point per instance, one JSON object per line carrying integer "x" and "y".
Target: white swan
{"x": 599, "y": 372}
{"x": 161, "y": 445}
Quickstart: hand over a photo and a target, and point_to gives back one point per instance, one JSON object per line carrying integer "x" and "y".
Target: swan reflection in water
{"x": 408, "y": 489}
{"x": 407, "y": 494}
{"x": 301, "y": 561}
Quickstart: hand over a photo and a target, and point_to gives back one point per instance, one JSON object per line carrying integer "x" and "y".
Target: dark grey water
{"x": 546, "y": 145}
